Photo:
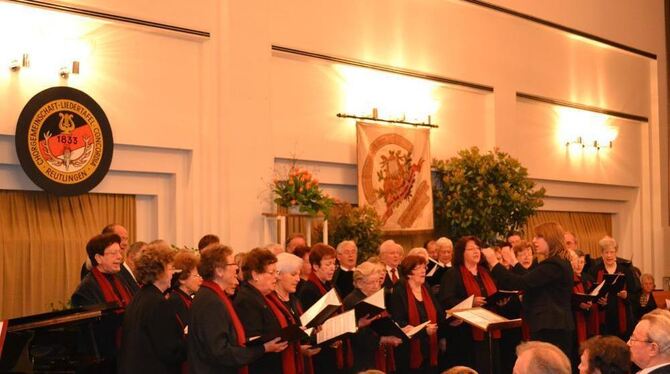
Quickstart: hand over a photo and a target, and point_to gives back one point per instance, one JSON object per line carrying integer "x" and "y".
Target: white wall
{"x": 200, "y": 123}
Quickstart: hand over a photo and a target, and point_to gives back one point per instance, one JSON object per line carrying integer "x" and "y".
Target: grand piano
{"x": 58, "y": 342}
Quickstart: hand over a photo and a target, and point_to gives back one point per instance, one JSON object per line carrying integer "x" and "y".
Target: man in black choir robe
{"x": 347, "y": 254}
{"x": 127, "y": 273}
{"x": 102, "y": 285}
{"x": 390, "y": 254}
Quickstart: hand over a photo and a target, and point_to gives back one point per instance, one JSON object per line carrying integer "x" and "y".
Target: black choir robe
{"x": 105, "y": 331}
{"x": 365, "y": 342}
{"x": 128, "y": 280}
{"x": 399, "y": 312}
{"x": 258, "y": 320}
{"x": 546, "y": 305}
{"x": 325, "y": 361}
{"x": 639, "y": 310}
{"x": 610, "y": 324}
{"x": 153, "y": 341}
{"x": 343, "y": 280}
{"x": 462, "y": 349}
{"x": 182, "y": 311}
{"x": 212, "y": 341}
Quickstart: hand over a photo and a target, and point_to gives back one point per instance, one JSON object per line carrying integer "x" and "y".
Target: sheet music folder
{"x": 371, "y": 306}
{"x": 486, "y": 320}
{"x": 289, "y": 333}
{"x": 336, "y": 327}
{"x": 318, "y": 313}
{"x": 386, "y": 326}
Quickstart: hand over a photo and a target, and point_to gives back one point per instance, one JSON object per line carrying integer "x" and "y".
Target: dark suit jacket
{"x": 258, "y": 320}
{"x": 212, "y": 341}
{"x": 153, "y": 341}
{"x": 343, "y": 282}
{"x": 662, "y": 370}
{"x": 128, "y": 280}
{"x": 324, "y": 361}
{"x": 548, "y": 292}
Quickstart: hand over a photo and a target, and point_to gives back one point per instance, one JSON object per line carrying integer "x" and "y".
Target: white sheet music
{"x": 330, "y": 298}
{"x": 416, "y": 329}
{"x": 463, "y": 305}
{"x": 336, "y": 326}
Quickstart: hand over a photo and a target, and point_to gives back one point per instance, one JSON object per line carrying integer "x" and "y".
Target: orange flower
{"x": 293, "y": 202}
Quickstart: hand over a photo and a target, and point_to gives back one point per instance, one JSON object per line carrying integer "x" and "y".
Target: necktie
{"x": 394, "y": 276}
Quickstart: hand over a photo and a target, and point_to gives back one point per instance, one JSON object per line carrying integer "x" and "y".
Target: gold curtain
{"x": 588, "y": 227}
{"x": 43, "y": 245}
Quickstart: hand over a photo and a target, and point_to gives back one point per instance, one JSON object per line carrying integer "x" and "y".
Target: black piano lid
{"x": 61, "y": 316}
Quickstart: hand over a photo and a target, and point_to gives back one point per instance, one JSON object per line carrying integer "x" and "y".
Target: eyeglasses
{"x": 631, "y": 339}
{"x": 237, "y": 270}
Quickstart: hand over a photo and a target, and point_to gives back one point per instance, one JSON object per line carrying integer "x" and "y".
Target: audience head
{"x": 514, "y": 237}
{"x": 467, "y": 251}
{"x": 647, "y": 282}
{"x": 186, "y": 275}
{"x": 413, "y": 269}
{"x": 604, "y": 355}
{"x": 608, "y": 249}
{"x": 366, "y": 278}
{"x": 418, "y": 251}
{"x": 288, "y": 267}
{"x": 524, "y": 253}
{"x": 104, "y": 251}
{"x": 115, "y": 228}
{"x": 650, "y": 341}
{"x": 459, "y": 370}
{"x": 390, "y": 253}
{"x": 303, "y": 253}
{"x": 571, "y": 241}
{"x": 207, "y": 240}
{"x": 239, "y": 260}
{"x": 445, "y": 250}
{"x": 549, "y": 241}
{"x": 431, "y": 247}
{"x": 347, "y": 254}
{"x": 260, "y": 270}
{"x": 217, "y": 265}
{"x": 322, "y": 259}
{"x": 133, "y": 253}
{"x": 536, "y": 357}
{"x": 294, "y": 241}
{"x": 154, "y": 266}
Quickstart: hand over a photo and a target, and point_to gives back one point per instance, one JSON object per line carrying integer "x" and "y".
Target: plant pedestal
{"x": 272, "y": 221}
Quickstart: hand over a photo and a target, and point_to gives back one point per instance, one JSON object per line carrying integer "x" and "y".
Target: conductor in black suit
{"x": 547, "y": 287}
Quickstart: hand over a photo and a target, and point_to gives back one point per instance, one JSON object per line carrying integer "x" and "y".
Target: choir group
{"x": 214, "y": 311}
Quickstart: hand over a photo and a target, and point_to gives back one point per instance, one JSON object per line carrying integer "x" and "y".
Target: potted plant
{"x": 360, "y": 224}
{"x": 488, "y": 195}
{"x": 301, "y": 193}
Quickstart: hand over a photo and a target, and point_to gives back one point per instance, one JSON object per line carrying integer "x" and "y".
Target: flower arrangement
{"x": 301, "y": 190}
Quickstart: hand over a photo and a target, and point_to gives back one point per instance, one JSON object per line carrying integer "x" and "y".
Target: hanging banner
{"x": 394, "y": 175}
{"x": 63, "y": 141}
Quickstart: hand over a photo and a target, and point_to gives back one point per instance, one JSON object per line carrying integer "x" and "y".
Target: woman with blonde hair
{"x": 547, "y": 287}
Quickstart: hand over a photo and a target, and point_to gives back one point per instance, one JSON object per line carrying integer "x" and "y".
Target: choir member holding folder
{"x": 217, "y": 342}
{"x": 616, "y": 315}
{"x": 335, "y": 357}
{"x": 153, "y": 340}
{"x": 410, "y": 305}
{"x": 547, "y": 287}
{"x": 262, "y": 315}
{"x": 372, "y": 350}
{"x": 468, "y": 345}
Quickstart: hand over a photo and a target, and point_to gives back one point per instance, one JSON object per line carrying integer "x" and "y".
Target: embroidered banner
{"x": 394, "y": 175}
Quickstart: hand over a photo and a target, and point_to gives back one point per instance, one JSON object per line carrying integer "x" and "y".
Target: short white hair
{"x": 419, "y": 251}
{"x": 444, "y": 241}
{"x": 607, "y": 242}
{"x": 545, "y": 358}
{"x": 388, "y": 245}
{"x": 659, "y": 329}
{"x": 345, "y": 243}
{"x": 275, "y": 248}
{"x": 288, "y": 263}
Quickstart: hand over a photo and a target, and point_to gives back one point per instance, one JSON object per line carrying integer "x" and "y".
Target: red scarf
{"x": 580, "y": 320}
{"x": 291, "y": 360}
{"x": 108, "y": 289}
{"x": 472, "y": 288}
{"x": 237, "y": 325}
{"x": 415, "y": 356}
{"x": 621, "y": 307}
{"x": 346, "y": 343}
{"x": 309, "y": 368}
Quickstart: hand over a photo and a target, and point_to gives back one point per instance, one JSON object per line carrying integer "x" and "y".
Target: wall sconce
{"x": 65, "y": 71}
{"x": 598, "y": 145}
{"x": 401, "y": 120}
{"x": 17, "y": 64}
{"x": 577, "y": 140}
